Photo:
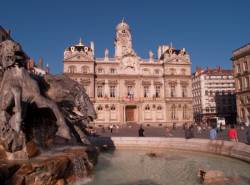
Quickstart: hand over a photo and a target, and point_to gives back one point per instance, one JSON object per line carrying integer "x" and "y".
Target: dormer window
{"x": 100, "y": 70}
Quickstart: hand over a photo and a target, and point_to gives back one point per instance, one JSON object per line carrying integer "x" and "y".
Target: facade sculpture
{"x": 129, "y": 89}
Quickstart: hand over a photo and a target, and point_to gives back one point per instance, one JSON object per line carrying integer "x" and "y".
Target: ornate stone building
{"x": 241, "y": 66}
{"x": 213, "y": 94}
{"x": 129, "y": 89}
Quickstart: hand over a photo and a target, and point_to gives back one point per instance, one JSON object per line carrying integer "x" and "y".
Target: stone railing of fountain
{"x": 220, "y": 147}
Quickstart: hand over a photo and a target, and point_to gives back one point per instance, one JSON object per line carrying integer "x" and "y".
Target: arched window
{"x": 72, "y": 69}
{"x": 99, "y": 108}
{"x": 184, "y": 113}
{"x": 159, "y": 108}
{"x": 85, "y": 69}
{"x": 112, "y": 108}
{"x": 147, "y": 107}
{"x": 173, "y": 112}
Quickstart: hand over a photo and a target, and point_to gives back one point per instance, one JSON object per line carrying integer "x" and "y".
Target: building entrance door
{"x": 130, "y": 113}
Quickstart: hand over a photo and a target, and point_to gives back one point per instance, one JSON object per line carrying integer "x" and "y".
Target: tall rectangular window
{"x": 172, "y": 91}
{"x": 112, "y": 91}
{"x": 130, "y": 92}
{"x": 184, "y": 91}
{"x": 99, "y": 91}
{"x": 245, "y": 66}
{"x": 157, "y": 91}
{"x": 146, "y": 91}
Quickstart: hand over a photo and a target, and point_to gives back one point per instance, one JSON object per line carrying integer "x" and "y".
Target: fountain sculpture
{"x": 40, "y": 116}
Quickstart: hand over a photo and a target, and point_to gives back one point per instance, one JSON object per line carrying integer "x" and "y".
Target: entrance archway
{"x": 130, "y": 113}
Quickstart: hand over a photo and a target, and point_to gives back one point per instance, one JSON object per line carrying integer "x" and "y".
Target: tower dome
{"x": 122, "y": 25}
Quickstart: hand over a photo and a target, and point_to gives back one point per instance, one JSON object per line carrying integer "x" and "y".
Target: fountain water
{"x": 136, "y": 167}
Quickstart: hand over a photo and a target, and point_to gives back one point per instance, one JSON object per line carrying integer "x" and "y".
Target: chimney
{"x": 159, "y": 52}
{"x": 92, "y": 46}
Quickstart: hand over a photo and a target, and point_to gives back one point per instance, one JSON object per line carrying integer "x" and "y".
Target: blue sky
{"x": 209, "y": 30}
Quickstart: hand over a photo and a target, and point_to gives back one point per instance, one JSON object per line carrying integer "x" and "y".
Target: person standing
{"x": 168, "y": 131}
{"x": 111, "y": 128}
{"x": 248, "y": 135}
{"x": 141, "y": 132}
{"x": 232, "y": 134}
{"x": 213, "y": 133}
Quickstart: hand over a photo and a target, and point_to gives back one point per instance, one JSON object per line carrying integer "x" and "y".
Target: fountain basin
{"x": 161, "y": 161}
{"x": 220, "y": 147}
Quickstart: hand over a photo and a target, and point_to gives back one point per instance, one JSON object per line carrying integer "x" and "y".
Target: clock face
{"x": 123, "y": 34}
{"x": 129, "y": 64}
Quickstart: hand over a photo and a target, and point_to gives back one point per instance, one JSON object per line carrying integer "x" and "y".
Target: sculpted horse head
{"x": 71, "y": 96}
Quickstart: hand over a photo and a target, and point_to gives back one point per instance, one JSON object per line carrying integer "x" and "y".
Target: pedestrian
{"x": 189, "y": 132}
{"x": 117, "y": 128}
{"x": 111, "y": 128}
{"x": 213, "y": 133}
{"x": 141, "y": 132}
{"x": 199, "y": 129}
{"x": 168, "y": 131}
{"x": 232, "y": 134}
{"x": 248, "y": 135}
{"x": 103, "y": 129}
{"x": 174, "y": 126}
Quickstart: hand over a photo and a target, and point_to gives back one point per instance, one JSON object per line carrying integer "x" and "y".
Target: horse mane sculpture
{"x": 28, "y": 101}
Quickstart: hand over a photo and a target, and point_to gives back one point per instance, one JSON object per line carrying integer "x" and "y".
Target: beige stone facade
{"x": 241, "y": 66}
{"x": 128, "y": 89}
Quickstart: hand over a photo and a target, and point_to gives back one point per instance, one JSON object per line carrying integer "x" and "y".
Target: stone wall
{"x": 236, "y": 150}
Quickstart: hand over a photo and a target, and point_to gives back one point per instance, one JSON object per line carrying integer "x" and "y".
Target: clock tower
{"x": 123, "y": 40}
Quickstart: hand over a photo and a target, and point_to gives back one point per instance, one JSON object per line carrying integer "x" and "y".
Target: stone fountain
{"x": 42, "y": 124}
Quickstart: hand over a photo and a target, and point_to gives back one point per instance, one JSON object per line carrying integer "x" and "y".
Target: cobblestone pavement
{"x": 161, "y": 132}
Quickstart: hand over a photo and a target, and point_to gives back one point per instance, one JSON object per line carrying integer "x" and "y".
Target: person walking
{"x": 213, "y": 133}
{"x": 232, "y": 134}
{"x": 199, "y": 129}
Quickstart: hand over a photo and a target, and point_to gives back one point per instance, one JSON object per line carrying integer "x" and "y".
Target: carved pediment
{"x": 112, "y": 82}
{"x": 172, "y": 83}
{"x": 184, "y": 83}
{"x": 100, "y": 82}
{"x": 85, "y": 81}
{"x": 146, "y": 82}
{"x": 129, "y": 82}
{"x": 158, "y": 83}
